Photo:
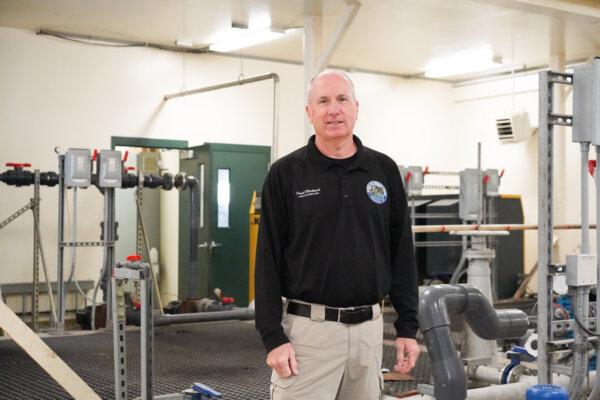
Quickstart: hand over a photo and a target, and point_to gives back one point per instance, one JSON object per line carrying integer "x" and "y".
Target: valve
{"x": 125, "y": 156}
{"x": 408, "y": 176}
{"x": 591, "y": 166}
{"x": 134, "y": 257}
{"x": 95, "y": 155}
{"x": 18, "y": 166}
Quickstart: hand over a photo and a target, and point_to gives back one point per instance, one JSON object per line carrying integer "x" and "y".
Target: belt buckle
{"x": 340, "y": 313}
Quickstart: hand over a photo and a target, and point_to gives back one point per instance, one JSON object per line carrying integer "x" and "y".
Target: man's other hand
{"x": 283, "y": 360}
{"x": 407, "y": 351}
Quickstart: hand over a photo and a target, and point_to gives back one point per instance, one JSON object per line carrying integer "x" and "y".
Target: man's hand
{"x": 283, "y": 360}
{"x": 407, "y": 351}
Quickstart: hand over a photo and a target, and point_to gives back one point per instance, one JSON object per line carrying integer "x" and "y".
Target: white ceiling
{"x": 390, "y": 36}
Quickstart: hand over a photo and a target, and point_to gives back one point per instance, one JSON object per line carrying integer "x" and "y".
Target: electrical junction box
{"x": 492, "y": 183}
{"x": 110, "y": 169}
{"x": 412, "y": 179}
{"x": 78, "y": 168}
{"x": 469, "y": 206}
{"x": 586, "y": 103}
{"x": 581, "y": 270}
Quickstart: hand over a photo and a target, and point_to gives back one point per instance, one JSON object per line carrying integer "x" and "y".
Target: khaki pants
{"x": 335, "y": 361}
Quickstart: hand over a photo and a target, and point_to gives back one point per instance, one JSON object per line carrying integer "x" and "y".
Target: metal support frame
{"x": 547, "y": 121}
{"x": 142, "y": 273}
{"x": 108, "y": 238}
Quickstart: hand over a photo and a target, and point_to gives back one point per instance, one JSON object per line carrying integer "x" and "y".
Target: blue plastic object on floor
{"x": 207, "y": 391}
{"x": 547, "y": 392}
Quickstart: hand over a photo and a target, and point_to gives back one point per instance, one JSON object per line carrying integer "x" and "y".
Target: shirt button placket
{"x": 346, "y": 199}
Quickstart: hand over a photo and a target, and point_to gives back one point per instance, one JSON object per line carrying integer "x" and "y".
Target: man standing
{"x": 334, "y": 240}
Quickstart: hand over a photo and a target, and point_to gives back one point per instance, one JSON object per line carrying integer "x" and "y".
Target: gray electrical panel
{"x": 110, "y": 169}
{"x": 586, "y": 103}
{"x": 78, "y": 168}
{"x": 492, "y": 183}
{"x": 469, "y": 207}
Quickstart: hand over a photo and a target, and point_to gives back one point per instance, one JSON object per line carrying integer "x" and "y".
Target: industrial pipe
{"x": 211, "y": 316}
{"x": 239, "y": 82}
{"x": 595, "y": 394}
{"x": 488, "y": 227}
{"x": 183, "y": 182}
{"x": 434, "y": 305}
{"x": 19, "y": 177}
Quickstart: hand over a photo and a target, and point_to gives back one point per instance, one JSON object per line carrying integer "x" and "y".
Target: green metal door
{"x": 231, "y": 174}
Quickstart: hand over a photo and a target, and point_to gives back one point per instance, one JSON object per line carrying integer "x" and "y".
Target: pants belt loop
{"x": 377, "y": 311}
{"x": 285, "y": 307}
{"x": 317, "y": 312}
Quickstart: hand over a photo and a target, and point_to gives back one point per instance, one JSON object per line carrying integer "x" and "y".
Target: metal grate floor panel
{"x": 228, "y": 356}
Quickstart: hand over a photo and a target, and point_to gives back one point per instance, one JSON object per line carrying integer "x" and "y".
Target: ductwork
{"x": 435, "y": 304}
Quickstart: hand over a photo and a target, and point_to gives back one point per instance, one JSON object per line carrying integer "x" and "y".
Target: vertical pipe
{"x": 35, "y": 293}
{"x": 545, "y": 147}
{"x": 275, "y": 144}
{"x": 479, "y": 185}
{"x": 60, "y": 292}
{"x": 193, "y": 186}
{"x": 585, "y": 221}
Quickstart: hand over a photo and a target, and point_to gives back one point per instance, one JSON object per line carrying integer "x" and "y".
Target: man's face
{"x": 331, "y": 108}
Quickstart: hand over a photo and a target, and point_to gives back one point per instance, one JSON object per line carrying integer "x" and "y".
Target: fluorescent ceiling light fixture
{"x": 247, "y": 39}
{"x": 463, "y": 62}
{"x": 184, "y": 43}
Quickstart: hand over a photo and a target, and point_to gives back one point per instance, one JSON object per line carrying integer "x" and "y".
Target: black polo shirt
{"x": 334, "y": 232}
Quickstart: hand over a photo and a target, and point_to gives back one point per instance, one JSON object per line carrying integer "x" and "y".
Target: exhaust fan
{"x": 514, "y": 128}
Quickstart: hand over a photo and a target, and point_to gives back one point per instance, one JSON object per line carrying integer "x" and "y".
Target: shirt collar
{"x": 322, "y": 162}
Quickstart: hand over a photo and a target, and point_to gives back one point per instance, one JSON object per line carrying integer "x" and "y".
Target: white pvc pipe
{"x": 511, "y": 391}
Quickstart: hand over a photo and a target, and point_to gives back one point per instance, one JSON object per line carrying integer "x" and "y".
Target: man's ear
{"x": 307, "y": 111}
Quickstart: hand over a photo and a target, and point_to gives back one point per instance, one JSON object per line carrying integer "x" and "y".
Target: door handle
{"x": 210, "y": 245}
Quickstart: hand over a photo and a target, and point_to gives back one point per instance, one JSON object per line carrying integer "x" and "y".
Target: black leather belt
{"x": 350, "y": 315}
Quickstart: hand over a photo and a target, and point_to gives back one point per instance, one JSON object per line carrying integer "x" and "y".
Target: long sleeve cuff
{"x": 273, "y": 337}
{"x": 406, "y": 329}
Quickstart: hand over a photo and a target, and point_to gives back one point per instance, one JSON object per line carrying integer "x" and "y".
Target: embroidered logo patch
{"x": 376, "y": 192}
{"x": 308, "y": 192}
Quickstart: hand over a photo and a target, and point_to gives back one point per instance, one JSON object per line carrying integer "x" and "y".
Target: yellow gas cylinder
{"x": 254, "y": 220}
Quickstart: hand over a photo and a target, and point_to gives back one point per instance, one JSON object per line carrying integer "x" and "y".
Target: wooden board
{"x": 44, "y": 356}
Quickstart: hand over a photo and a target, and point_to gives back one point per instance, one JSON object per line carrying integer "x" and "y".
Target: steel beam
{"x": 553, "y": 8}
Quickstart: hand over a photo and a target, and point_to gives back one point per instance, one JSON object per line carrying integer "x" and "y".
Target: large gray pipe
{"x": 183, "y": 182}
{"x": 234, "y": 314}
{"x": 435, "y": 303}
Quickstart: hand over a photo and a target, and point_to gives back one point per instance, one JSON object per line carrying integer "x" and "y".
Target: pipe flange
{"x": 483, "y": 254}
{"x": 180, "y": 181}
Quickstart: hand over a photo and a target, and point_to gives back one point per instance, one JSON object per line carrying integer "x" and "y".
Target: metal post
{"x": 35, "y": 293}
{"x": 108, "y": 242}
{"x": 60, "y": 289}
{"x": 545, "y": 147}
{"x": 147, "y": 334}
{"x": 547, "y": 119}
{"x": 120, "y": 348}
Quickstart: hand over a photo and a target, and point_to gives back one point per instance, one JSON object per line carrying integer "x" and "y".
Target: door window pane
{"x": 201, "y": 195}
{"x": 223, "y": 191}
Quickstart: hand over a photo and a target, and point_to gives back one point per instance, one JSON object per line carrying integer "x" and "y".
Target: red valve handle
{"x": 227, "y": 300}
{"x": 129, "y": 169}
{"x": 591, "y": 166}
{"x": 125, "y": 156}
{"x": 134, "y": 257}
{"x": 95, "y": 155}
{"x": 486, "y": 179}
{"x": 408, "y": 176}
{"x": 426, "y": 170}
{"x": 18, "y": 166}
{"x": 501, "y": 173}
